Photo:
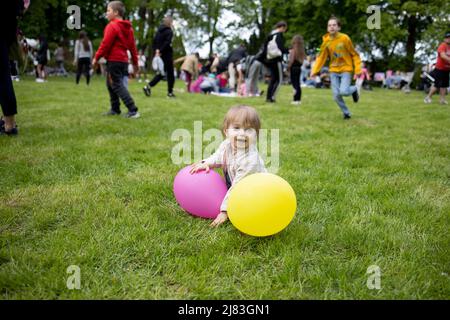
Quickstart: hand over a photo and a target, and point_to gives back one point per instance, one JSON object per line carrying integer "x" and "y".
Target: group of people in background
{"x": 237, "y": 74}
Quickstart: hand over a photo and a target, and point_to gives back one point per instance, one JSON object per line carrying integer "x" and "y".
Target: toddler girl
{"x": 237, "y": 155}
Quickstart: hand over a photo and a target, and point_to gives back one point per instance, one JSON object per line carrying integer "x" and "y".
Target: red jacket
{"x": 118, "y": 37}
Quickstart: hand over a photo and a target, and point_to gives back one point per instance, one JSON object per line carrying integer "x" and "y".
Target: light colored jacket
{"x": 190, "y": 64}
{"x": 237, "y": 164}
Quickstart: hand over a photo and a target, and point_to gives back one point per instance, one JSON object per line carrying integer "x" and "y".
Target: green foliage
{"x": 406, "y": 26}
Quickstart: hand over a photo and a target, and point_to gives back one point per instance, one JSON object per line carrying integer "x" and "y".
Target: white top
{"x": 80, "y": 52}
{"x": 238, "y": 164}
{"x": 141, "y": 60}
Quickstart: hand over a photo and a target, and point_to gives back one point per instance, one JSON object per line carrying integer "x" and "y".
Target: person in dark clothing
{"x": 83, "y": 55}
{"x": 42, "y": 59}
{"x": 233, "y": 60}
{"x": 296, "y": 57}
{"x": 162, "y": 46}
{"x": 11, "y": 10}
{"x": 273, "y": 61}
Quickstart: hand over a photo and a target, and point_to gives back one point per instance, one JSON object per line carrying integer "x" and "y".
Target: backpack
{"x": 272, "y": 49}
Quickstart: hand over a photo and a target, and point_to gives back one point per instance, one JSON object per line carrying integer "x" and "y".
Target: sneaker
{"x": 132, "y": 115}
{"x": 427, "y": 100}
{"x": 170, "y": 95}
{"x": 347, "y": 116}
{"x": 13, "y": 132}
{"x": 40, "y": 80}
{"x": 355, "y": 96}
{"x": 296, "y": 103}
{"x": 270, "y": 100}
{"x": 147, "y": 91}
{"x": 444, "y": 102}
{"x": 111, "y": 113}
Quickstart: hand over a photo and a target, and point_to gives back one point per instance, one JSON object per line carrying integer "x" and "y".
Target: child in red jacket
{"x": 118, "y": 38}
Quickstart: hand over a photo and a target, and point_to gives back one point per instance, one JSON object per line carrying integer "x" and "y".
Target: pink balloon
{"x": 201, "y": 193}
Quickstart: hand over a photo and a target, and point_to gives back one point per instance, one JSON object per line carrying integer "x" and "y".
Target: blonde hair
{"x": 244, "y": 115}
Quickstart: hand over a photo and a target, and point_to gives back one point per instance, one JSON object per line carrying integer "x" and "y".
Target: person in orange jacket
{"x": 344, "y": 60}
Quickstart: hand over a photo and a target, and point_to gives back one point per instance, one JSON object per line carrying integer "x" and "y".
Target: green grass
{"x": 81, "y": 189}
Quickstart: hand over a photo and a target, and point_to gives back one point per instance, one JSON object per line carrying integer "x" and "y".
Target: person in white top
{"x": 83, "y": 56}
{"x": 237, "y": 155}
{"x": 142, "y": 66}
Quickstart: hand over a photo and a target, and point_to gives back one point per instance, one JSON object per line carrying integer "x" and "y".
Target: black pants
{"x": 84, "y": 66}
{"x": 276, "y": 75}
{"x": 295, "y": 80}
{"x": 115, "y": 72}
{"x": 7, "y": 95}
{"x": 168, "y": 68}
{"x": 13, "y": 68}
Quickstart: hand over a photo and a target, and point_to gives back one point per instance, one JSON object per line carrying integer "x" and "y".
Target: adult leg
{"x": 156, "y": 79}
{"x": 168, "y": 68}
{"x": 273, "y": 74}
{"x": 335, "y": 87}
{"x": 252, "y": 80}
{"x": 278, "y": 72}
{"x": 7, "y": 96}
{"x": 432, "y": 91}
{"x": 443, "y": 92}
{"x": 64, "y": 72}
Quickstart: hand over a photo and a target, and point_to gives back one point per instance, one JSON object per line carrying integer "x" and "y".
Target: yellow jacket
{"x": 341, "y": 52}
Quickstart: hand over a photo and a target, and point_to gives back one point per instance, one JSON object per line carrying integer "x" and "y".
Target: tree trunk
{"x": 411, "y": 42}
{"x": 151, "y": 30}
{"x": 142, "y": 13}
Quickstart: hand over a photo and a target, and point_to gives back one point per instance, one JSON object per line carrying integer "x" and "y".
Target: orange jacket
{"x": 343, "y": 56}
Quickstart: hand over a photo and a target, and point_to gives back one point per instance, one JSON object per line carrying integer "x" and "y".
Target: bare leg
{"x": 432, "y": 91}
{"x": 443, "y": 92}
{"x": 10, "y": 122}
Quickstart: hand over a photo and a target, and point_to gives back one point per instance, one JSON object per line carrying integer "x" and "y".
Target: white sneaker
{"x": 39, "y": 80}
{"x": 427, "y": 100}
{"x": 444, "y": 102}
{"x": 297, "y": 103}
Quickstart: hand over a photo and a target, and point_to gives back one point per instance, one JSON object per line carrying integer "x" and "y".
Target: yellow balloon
{"x": 261, "y": 204}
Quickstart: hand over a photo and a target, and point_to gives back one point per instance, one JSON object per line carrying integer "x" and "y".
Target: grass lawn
{"x": 81, "y": 189}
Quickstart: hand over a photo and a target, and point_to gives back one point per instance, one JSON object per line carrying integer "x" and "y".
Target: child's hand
{"x": 221, "y": 218}
{"x": 198, "y": 167}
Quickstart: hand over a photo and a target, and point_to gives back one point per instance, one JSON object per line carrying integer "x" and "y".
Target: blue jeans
{"x": 340, "y": 84}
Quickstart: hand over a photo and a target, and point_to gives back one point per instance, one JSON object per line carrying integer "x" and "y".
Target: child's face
{"x": 241, "y": 137}
{"x": 111, "y": 14}
{"x": 333, "y": 27}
